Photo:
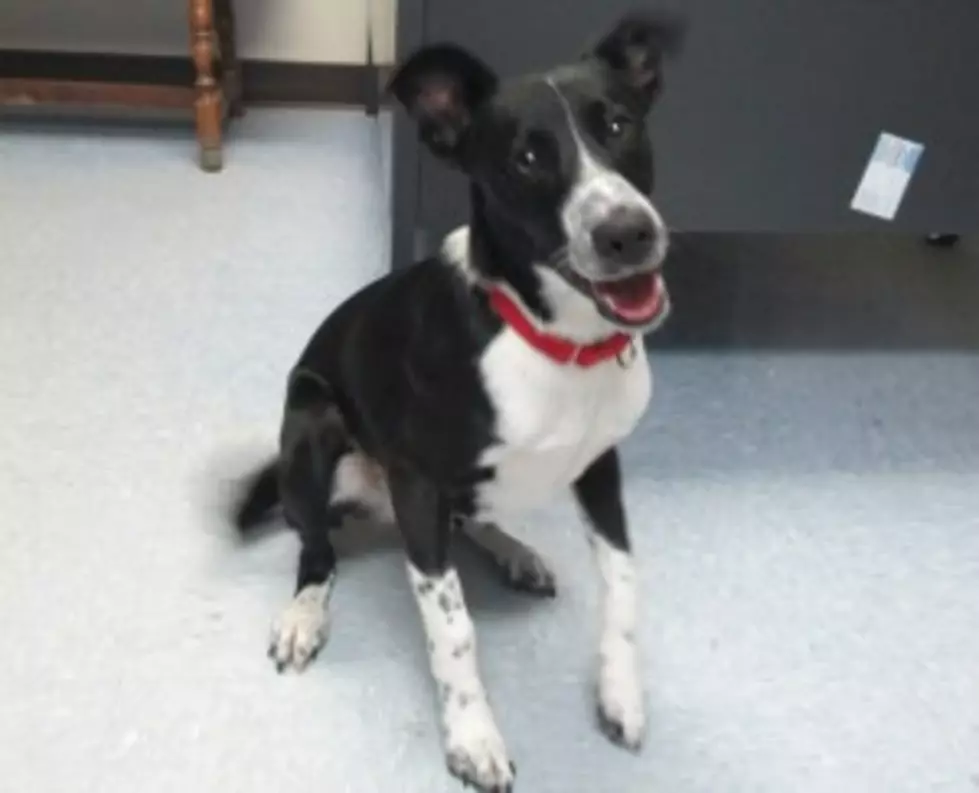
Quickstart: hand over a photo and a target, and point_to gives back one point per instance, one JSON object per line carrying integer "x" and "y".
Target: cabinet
{"x": 769, "y": 118}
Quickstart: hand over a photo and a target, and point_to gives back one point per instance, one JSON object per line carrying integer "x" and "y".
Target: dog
{"x": 478, "y": 382}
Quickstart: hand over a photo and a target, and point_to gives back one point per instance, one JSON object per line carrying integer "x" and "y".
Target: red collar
{"x": 554, "y": 347}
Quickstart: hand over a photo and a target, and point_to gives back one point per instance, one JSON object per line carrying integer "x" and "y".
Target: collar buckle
{"x": 627, "y": 355}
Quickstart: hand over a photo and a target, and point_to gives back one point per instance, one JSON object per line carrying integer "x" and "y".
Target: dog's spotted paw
{"x": 301, "y": 630}
{"x": 621, "y": 704}
{"x": 475, "y": 752}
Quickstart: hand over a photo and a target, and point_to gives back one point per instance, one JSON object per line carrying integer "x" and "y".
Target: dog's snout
{"x": 626, "y": 237}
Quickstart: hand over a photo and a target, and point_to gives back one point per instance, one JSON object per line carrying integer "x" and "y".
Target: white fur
{"x": 303, "y": 627}
{"x": 553, "y": 420}
{"x": 473, "y": 744}
{"x": 455, "y": 250}
{"x": 620, "y": 692}
{"x": 596, "y": 192}
{"x": 358, "y": 478}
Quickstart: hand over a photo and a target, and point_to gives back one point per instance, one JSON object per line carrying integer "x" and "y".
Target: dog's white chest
{"x": 553, "y": 419}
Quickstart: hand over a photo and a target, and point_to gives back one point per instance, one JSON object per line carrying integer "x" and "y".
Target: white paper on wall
{"x": 888, "y": 174}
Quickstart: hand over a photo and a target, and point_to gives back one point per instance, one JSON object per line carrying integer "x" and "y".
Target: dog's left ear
{"x": 635, "y": 48}
{"x": 441, "y": 86}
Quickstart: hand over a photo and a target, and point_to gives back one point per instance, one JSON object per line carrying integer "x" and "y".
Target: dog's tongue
{"x": 633, "y": 298}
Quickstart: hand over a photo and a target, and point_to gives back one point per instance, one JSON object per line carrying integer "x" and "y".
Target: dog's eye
{"x": 525, "y": 159}
{"x": 617, "y": 126}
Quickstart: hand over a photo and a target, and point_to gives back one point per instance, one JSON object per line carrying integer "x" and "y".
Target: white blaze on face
{"x": 597, "y": 191}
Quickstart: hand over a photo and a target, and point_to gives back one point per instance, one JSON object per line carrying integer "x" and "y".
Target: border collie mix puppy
{"x": 484, "y": 379}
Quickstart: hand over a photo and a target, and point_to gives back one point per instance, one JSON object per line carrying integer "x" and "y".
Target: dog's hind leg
{"x": 519, "y": 565}
{"x": 316, "y": 489}
{"x": 351, "y": 485}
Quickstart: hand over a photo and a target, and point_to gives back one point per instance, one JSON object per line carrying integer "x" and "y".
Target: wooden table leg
{"x": 207, "y": 104}
{"x": 230, "y": 66}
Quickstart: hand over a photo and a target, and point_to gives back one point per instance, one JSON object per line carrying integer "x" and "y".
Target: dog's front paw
{"x": 621, "y": 704}
{"x": 300, "y": 631}
{"x": 475, "y": 751}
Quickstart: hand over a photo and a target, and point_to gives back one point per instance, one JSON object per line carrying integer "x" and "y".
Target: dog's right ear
{"x": 441, "y": 86}
{"x": 635, "y": 48}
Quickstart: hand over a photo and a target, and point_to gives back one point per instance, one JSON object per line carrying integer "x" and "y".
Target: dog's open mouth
{"x": 635, "y": 301}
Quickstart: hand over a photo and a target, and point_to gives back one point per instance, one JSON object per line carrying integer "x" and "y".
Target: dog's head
{"x": 561, "y": 168}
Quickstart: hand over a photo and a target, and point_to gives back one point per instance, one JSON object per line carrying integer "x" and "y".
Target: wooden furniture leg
{"x": 230, "y": 65}
{"x": 207, "y": 103}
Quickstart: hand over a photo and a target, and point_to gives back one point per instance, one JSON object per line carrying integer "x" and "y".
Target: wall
{"x": 315, "y": 31}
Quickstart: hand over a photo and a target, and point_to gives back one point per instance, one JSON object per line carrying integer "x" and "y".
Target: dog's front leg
{"x": 474, "y": 748}
{"x": 621, "y": 707}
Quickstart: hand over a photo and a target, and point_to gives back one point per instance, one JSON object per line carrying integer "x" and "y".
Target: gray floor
{"x": 807, "y": 521}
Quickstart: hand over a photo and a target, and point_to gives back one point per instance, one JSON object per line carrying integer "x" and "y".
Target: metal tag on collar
{"x": 628, "y": 355}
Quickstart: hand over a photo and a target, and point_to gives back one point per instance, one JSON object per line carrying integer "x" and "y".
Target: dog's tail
{"x": 259, "y": 496}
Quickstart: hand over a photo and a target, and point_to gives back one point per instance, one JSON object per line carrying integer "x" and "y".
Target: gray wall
{"x": 771, "y": 115}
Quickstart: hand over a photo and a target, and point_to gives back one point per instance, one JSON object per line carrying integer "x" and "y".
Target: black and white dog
{"x": 446, "y": 395}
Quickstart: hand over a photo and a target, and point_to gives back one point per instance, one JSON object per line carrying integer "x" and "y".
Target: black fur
{"x": 597, "y": 492}
{"x": 393, "y": 374}
{"x": 395, "y": 366}
{"x": 634, "y": 51}
{"x": 399, "y": 358}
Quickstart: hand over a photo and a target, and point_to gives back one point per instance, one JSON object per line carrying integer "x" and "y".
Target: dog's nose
{"x": 625, "y": 237}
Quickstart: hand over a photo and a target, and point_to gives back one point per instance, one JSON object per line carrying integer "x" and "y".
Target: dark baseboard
{"x": 313, "y": 83}
{"x": 263, "y": 81}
